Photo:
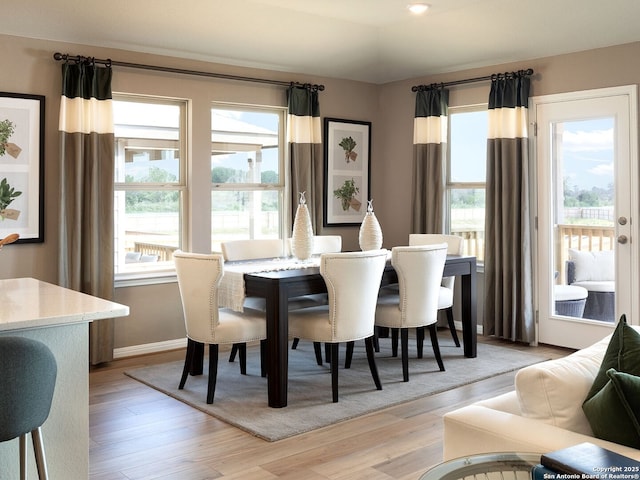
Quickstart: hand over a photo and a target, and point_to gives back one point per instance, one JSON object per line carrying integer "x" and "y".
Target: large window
{"x": 466, "y": 176}
{"x": 247, "y": 173}
{"x": 149, "y": 183}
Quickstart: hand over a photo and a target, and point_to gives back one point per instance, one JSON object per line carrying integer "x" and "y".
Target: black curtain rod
{"x": 495, "y": 76}
{"x": 79, "y": 59}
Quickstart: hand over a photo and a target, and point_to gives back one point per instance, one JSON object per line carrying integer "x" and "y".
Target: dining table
{"x": 279, "y": 284}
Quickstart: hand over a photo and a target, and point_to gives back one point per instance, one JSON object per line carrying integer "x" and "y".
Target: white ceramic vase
{"x": 302, "y": 235}
{"x": 370, "y": 237}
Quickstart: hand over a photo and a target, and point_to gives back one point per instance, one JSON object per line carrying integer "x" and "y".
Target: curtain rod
{"x": 79, "y": 58}
{"x": 519, "y": 73}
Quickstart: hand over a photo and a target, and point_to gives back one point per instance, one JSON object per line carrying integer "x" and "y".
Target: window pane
{"x": 245, "y": 146}
{"x": 147, "y": 145}
{"x": 468, "y": 148}
{"x": 147, "y": 229}
{"x": 151, "y": 165}
{"x": 244, "y": 214}
{"x": 467, "y": 219}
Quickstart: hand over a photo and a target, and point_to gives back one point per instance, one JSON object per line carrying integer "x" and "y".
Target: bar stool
{"x": 28, "y": 373}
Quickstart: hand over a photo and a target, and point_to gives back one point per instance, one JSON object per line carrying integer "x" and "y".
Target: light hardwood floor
{"x": 137, "y": 433}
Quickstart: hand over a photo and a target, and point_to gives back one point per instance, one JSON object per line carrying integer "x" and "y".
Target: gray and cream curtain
{"x": 508, "y": 311}
{"x": 304, "y": 137}
{"x": 429, "y": 154}
{"x": 86, "y": 191}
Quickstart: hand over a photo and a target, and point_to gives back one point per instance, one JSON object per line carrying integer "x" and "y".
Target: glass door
{"x": 587, "y": 201}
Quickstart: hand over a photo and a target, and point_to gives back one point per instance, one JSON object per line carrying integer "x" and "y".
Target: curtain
{"x": 86, "y": 192}
{"x": 429, "y": 153}
{"x": 508, "y": 311}
{"x": 304, "y": 137}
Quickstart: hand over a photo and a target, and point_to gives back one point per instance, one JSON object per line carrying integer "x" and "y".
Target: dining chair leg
{"x": 349, "y": 354}
{"x": 394, "y": 342}
{"x": 436, "y": 348}
{"x": 317, "y": 348}
{"x": 404, "y": 344}
{"x": 294, "y": 345}
{"x": 419, "y": 341}
{"x": 376, "y": 339}
{"x": 233, "y": 352}
{"x": 242, "y": 353}
{"x": 263, "y": 358}
{"x": 452, "y": 326}
{"x": 188, "y": 360}
{"x": 333, "y": 361}
{"x": 213, "y": 372}
{"x": 368, "y": 343}
{"x": 327, "y": 352}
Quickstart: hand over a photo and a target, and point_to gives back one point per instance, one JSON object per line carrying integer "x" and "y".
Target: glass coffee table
{"x": 489, "y": 466}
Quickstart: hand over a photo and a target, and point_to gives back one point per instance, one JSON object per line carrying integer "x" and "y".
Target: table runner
{"x": 231, "y": 292}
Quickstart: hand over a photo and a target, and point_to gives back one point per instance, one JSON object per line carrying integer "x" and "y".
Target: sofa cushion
{"x": 553, "y": 391}
{"x": 622, "y": 354}
{"x": 593, "y": 266}
{"x": 614, "y": 411}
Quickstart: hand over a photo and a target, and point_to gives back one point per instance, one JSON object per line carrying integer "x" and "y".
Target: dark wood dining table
{"x": 277, "y": 287}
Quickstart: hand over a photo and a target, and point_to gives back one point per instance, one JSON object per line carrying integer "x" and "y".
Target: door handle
{"x": 622, "y": 239}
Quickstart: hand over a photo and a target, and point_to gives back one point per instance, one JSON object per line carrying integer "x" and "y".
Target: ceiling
{"x": 376, "y": 41}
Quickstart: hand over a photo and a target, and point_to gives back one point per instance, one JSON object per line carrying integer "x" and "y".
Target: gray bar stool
{"x": 28, "y": 376}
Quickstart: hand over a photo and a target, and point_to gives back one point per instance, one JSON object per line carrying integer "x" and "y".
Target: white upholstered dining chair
{"x": 419, "y": 270}
{"x": 455, "y": 246}
{"x": 251, "y": 249}
{"x": 353, "y": 280}
{"x": 321, "y": 244}
{"x": 199, "y": 277}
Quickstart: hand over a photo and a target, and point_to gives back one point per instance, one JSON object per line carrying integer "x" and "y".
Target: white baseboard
{"x": 147, "y": 348}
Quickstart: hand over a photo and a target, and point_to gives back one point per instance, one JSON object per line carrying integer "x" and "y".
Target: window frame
{"x": 451, "y": 185}
{"x": 281, "y": 186}
{"x": 164, "y": 273}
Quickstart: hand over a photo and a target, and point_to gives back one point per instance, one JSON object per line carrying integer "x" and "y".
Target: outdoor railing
{"x": 578, "y": 237}
{"x": 164, "y": 252}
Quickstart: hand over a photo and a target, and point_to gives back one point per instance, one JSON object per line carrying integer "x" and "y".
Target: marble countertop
{"x": 31, "y": 303}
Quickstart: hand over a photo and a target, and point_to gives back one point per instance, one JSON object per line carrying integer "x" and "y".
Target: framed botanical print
{"x": 347, "y": 152}
{"x": 21, "y": 166}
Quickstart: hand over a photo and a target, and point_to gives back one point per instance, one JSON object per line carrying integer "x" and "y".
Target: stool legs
{"x": 23, "y": 456}
{"x": 38, "y": 449}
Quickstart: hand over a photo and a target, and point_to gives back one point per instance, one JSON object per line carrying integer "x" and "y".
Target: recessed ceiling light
{"x": 418, "y": 8}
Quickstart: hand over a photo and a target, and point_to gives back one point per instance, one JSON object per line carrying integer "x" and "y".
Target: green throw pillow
{"x": 614, "y": 412}
{"x": 623, "y": 355}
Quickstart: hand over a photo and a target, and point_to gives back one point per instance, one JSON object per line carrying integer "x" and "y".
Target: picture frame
{"x": 22, "y": 166}
{"x": 347, "y": 153}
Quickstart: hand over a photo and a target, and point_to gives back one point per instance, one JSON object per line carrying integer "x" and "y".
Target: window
{"x": 466, "y": 176}
{"x": 247, "y": 173}
{"x": 149, "y": 183}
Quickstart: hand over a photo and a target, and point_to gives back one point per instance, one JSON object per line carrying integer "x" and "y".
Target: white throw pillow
{"x": 553, "y": 391}
{"x": 593, "y": 265}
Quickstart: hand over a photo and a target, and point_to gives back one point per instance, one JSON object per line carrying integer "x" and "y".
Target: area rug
{"x": 241, "y": 400}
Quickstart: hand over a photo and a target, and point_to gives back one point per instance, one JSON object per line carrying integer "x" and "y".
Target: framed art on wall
{"x": 21, "y": 166}
{"x": 347, "y": 153}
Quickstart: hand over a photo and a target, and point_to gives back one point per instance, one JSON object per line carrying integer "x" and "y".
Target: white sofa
{"x": 543, "y": 413}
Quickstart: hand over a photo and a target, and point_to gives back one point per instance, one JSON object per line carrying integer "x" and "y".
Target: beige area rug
{"x": 241, "y": 400}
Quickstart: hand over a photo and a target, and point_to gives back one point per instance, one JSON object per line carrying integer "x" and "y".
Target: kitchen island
{"x": 58, "y": 317}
